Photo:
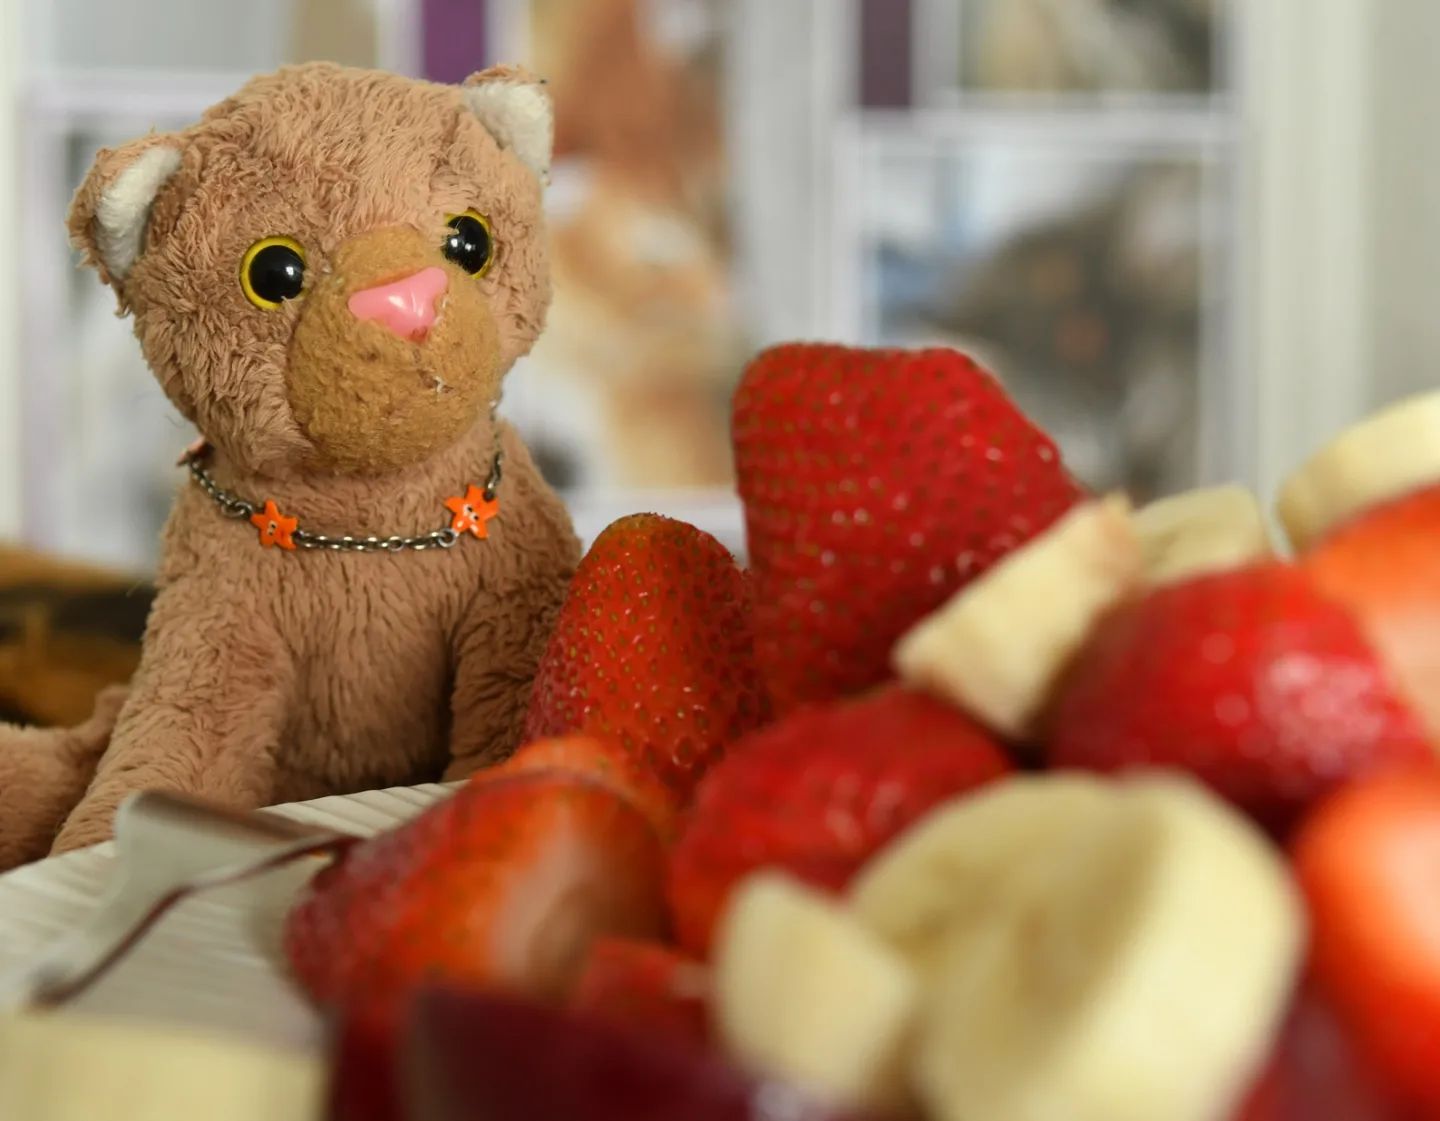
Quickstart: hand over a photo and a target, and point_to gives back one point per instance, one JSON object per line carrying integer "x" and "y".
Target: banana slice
{"x": 66, "y": 1066}
{"x": 1141, "y": 977}
{"x": 1204, "y": 530}
{"x": 804, "y": 992}
{"x": 962, "y": 863}
{"x": 998, "y": 646}
{"x": 1384, "y": 456}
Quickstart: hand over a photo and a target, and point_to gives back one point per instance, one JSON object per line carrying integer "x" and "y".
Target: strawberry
{"x": 486, "y": 1057}
{"x": 1368, "y": 861}
{"x": 1249, "y": 679}
{"x": 645, "y": 985}
{"x": 506, "y": 883}
{"x": 652, "y": 649}
{"x": 876, "y": 483}
{"x": 600, "y": 760}
{"x": 1315, "y": 1074}
{"x": 1384, "y": 565}
{"x": 364, "y": 1082}
{"x": 818, "y": 793}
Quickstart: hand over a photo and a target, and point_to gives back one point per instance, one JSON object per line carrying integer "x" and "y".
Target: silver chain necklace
{"x": 471, "y": 511}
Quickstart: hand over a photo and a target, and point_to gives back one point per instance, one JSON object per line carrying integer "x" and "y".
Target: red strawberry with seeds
{"x": 876, "y": 484}
{"x": 1368, "y": 861}
{"x": 1250, "y": 679}
{"x": 504, "y": 884}
{"x": 653, "y": 649}
{"x": 645, "y": 985}
{"x": 818, "y": 793}
{"x": 1384, "y": 565}
{"x": 604, "y": 761}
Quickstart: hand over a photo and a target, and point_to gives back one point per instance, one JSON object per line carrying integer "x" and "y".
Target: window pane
{"x": 1058, "y": 46}
{"x": 1076, "y": 277}
{"x": 120, "y": 435}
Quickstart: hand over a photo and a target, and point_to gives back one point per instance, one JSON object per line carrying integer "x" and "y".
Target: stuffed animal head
{"x": 333, "y": 270}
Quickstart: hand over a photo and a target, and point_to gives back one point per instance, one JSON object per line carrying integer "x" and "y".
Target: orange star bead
{"x": 472, "y": 510}
{"x": 275, "y": 528}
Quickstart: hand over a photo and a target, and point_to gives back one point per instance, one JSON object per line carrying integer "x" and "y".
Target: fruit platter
{"x": 971, "y": 796}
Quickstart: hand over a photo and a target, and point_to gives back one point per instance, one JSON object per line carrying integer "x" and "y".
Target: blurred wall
{"x": 177, "y": 34}
{"x": 9, "y": 273}
{"x": 1405, "y": 203}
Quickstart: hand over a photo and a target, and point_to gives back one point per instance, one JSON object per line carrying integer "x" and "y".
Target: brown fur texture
{"x": 45, "y": 774}
{"x": 267, "y": 675}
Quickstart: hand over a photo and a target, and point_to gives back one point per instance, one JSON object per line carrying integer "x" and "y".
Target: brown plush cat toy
{"x": 330, "y": 275}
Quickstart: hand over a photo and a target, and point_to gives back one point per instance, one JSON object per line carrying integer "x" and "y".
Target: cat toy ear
{"x": 515, "y": 109}
{"x": 111, "y": 210}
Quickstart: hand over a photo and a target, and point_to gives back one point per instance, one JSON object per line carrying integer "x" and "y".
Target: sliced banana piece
{"x": 1142, "y": 977}
{"x": 962, "y": 863}
{"x": 1204, "y": 530}
{"x": 998, "y": 646}
{"x": 1384, "y": 456}
{"x": 806, "y": 993}
{"x": 66, "y": 1066}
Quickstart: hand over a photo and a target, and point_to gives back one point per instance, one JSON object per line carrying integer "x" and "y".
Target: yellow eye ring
{"x": 470, "y": 242}
{"x": 272, "y": 271}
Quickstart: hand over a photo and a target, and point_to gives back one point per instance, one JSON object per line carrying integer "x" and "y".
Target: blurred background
{"x": 1193, "y": 237}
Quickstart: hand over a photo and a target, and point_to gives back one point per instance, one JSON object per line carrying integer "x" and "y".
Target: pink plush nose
{"x": 405, "y": 306}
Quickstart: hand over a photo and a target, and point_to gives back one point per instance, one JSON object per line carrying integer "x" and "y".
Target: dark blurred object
{"x": 473, "y": 1057}
{"x": 1093, "y": 321}
{"x": 454, "y": 41}
{"x": 1058, "y": 46}
{"x": 1315, "y": 1074}
{"x": 885, "y": 53}
{"x": 362, "y": 1076}
{"x": 66, "y": 632}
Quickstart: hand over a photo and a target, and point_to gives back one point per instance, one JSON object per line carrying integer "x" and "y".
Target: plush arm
{"x": 499, "y": 641}
{"x": 44, "y": 773}
{"x": 205, "y": 710}
{"x": 495, "y": 664}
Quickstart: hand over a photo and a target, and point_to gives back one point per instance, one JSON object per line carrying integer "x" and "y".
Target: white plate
{"x": 214, "y": 961}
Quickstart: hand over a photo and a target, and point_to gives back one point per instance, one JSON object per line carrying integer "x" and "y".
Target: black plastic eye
{"x": 273, "y": 270}
{"x": 469, "y": 244}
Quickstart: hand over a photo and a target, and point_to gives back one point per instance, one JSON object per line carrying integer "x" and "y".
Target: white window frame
{"x": 1301, "y": 287}
{"x": 1304, "y": 290}
{"x": 12, "y": 369}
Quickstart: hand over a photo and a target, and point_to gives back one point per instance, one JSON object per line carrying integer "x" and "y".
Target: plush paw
{"x": 43, "y": 775}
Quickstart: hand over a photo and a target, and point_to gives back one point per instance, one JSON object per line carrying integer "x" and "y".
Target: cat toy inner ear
{"x": 516, "y": 110}
{"x": 112, "y": 207}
